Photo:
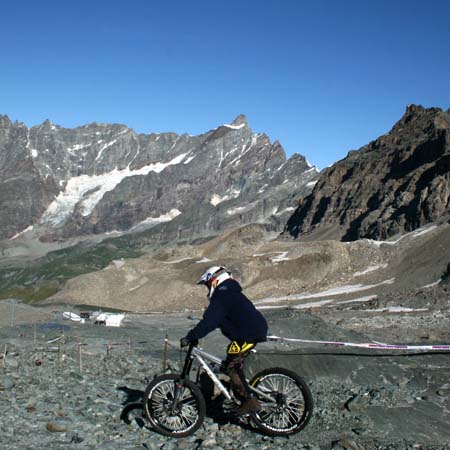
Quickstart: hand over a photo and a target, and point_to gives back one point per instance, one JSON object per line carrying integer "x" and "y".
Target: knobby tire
{"x": 293, "y": 407}
{"x": 189, "y": 411}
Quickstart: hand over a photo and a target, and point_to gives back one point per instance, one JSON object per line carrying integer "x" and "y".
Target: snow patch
{"x": 22, "y": 232}
{"x": 289, "y": 209}
{"x": 113, "y": 233}
{"x": 335, "y": 291}
{"x": 370, "y": 269}
{"x": 235, "y": 127}
{"x": 395, "y": 309}
{"x": 237, "y": 210}
{"x": 424, "y": 230}
{"x": 160, "y": 219}
{"x": 413, "y": 234}
{"x": 311, "y": 183}
{"x": 360, "y": 299}
{"x": 109, "y": 144}
{"x": 176, "y": 261}
{"x": 262, "y": 254}
{"x": 216, "y": 199}
{"x": 34, "y": 153}
{"x": 76, "y": 147}
{"x": 118, "y": 263}
{"x": 312, "y": 304}
{"x": 188, "y": 160}
{"x": 203, "y": 260}
{"x": 432, "y": 284}
{"x": 330, "y": 303}
{"x": 280, "y": 257}
{"x": 88, "y": 190}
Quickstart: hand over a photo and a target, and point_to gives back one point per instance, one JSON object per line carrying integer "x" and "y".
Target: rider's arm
{"x": 212, "y": 318}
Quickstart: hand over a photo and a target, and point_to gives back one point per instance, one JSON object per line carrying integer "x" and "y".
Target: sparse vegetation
{"x": 36, "y": 280}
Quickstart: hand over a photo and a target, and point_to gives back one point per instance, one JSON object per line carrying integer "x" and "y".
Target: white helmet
{"x": 213, "y": 277}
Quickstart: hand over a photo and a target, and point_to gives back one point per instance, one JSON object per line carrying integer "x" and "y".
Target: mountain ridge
{"x": 100, "y": 178}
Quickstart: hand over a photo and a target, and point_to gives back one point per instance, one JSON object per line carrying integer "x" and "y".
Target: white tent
{"x": 109, "y": 319}
{"x": 72, "y": 316}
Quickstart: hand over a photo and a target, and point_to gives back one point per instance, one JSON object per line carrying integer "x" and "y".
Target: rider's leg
{"x": 237, "y": 352}
{"x": 234, "y": 367}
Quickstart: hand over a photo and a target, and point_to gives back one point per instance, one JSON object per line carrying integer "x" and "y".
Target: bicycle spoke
{"x": 173, "y": 416}
{"x": 288, "y": 408}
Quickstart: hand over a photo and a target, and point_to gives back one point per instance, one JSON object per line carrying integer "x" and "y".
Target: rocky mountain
{"x": 395, "y": 184}
{"x": 58, "y": 183}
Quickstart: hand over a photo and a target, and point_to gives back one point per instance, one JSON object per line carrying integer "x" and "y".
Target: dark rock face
{"x": 397, "y": 183}
{"x": 24, "y": 192}
{"x": 101, "y": 178}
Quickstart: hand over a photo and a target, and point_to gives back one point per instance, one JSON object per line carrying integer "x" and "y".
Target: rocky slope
{"x": 59, "y": 397}
{"x": 59, "y": 183}
{"x": 274, "y": 272}
{"x": 395, "y": 184}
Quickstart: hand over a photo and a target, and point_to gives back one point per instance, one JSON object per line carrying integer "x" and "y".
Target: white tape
{"x": 369, "y": 345}
{"x": 56, "y": 339}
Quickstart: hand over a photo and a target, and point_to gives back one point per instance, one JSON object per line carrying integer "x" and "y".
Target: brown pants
{"x": 237, "y": 351}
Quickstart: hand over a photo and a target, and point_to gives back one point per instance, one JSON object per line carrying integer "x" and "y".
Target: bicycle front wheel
{"x": 292, "y": 404}
{"x": 174, "y": 407}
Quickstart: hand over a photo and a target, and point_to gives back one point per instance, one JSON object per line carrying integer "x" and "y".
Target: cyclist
{"x": 231, "y": 311}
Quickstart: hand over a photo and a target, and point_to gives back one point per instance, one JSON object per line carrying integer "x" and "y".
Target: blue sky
{"x": 322, "y": 77}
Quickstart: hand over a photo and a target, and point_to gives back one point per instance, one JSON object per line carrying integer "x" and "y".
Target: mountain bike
{"x": 176, "y": 407}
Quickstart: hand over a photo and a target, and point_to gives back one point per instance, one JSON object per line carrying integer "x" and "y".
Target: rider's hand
{"x": 184, "y": 342}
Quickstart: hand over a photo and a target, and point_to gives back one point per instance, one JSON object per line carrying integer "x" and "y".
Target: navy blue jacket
{"x": 231, "y": 311}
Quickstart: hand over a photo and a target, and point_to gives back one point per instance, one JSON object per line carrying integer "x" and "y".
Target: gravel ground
{"x": 362, "y": 400}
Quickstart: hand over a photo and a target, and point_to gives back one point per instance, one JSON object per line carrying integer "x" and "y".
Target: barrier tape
{"x": 369, "y": 345}
{"x": 56, "y": 339}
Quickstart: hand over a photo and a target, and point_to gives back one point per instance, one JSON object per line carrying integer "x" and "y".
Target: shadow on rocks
{"x": 133, "y": 409}
{"x": 217, "y": 408}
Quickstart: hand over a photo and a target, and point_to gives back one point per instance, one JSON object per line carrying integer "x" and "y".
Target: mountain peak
{"x": 46, "y": 124}
{"x": 418, "y": 117}
{"x": 238, "y": 123}
{"x": 399, "y": 183}
{"x": 241, "y": 119}
{"x": 5, "y": 120}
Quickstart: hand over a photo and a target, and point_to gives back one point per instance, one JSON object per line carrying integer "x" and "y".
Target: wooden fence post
{"x": 4, "y": 355}
{"x": 80, "y": 364}
{"x": 165, "y": 354}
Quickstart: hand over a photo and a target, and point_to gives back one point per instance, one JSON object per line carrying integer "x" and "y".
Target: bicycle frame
{"x": 201, "y": 356}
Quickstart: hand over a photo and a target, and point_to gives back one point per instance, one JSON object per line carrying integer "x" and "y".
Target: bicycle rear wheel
{"x": 174, "y": 407}
{"x": 292, "y": 404}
